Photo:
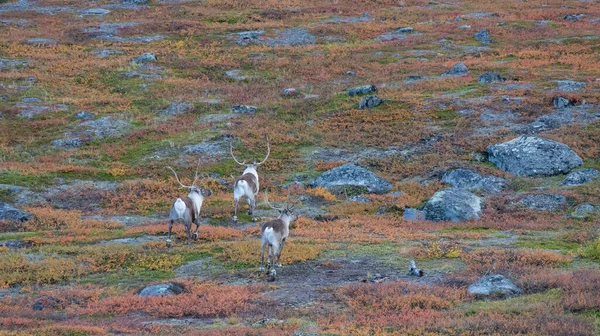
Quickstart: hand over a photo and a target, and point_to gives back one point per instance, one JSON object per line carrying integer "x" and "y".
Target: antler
{"x": 196, "y": 175}
{"x": 268, "y": 151}
{"x": 269, "y": 204}
{"x": 181, "y": 184}
{"x": 234, "y": 159}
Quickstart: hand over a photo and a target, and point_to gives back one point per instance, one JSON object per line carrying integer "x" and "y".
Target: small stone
{"x": 235, "y": 75}
{"x": 370, "y": 102}
{"x": 574, "y": 17}
{"x": 105, "y": 53}
{"x": 85, "y": 115}
{"x": 289, "y": 92}
{"x": 361, "y": 90}
{"x": 96, "y": 11}
{"x": 350, "y": 73}
{"x": 67, "y": 143}
{"x": 31, "y": 100}
{"x": 176, "y": 109}
{"x": 168, "y": 289}
{"x": 483, "y": 36}
{"x": 458, "y": 69}
{"x": 561, "y": 102}
{"x": 144, "y": 58}
{"x": 360, "y": 199}
{"x": 136, "y": 2}
{"x": 414, "y": 78}
{"x": 581, "y": 177}
{"x": 464, "y": 27}
{"x": 244, "y": 109}
{"x": 490, "y": 77}
{"x": 585, "y": 210}
{"x": 494, "y": 285}
{"x": 411, "y": 214}
{"x": 405, "y": 30}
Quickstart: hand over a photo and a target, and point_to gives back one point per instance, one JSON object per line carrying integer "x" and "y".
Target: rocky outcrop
{"x": 353, "y": 175}
{"x": 453, "y": 204}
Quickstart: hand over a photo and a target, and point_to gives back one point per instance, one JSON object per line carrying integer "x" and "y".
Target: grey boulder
{"x": 458, "y": 69}
{"x": 352, "y": 175}
{"x": 244, "y": 109}
{"x": 145, "y": 58}
{"x": 490, "y": 77}
{"x": 370, "y": 102}
{"x": 453, "y": 204}
{"x": 533, "y": 156}
{"x": 167, "y": 289}
{"x": 483, "y": 36}
{"x": 176, "y": 109}
{"x": 495, "y": 284}
{"x": 544, "y": 202}
{"x": 581, "y": 177}
{"x": 466, "y": 179}
{"x": 360, "y": 90}
{"x": 10, "y": 213}
{"x": 584, "y": 210}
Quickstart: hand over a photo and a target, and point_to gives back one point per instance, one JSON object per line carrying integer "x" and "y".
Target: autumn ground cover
{"x": 99, "y": 207}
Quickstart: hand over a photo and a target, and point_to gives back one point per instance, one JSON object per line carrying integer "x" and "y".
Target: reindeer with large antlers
{"x": 274, "y": 234}
{"x": 188, "y": 208}
{"x": 247, "y": 184}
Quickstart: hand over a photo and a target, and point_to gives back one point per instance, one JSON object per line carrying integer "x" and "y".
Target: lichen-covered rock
{"x": 144, "y": 58}
{"x": 533, "y": 156}
{"x": 453, "y": 204}
{"x": 41, "y": 41}
{"x": 361, "y": 90}
{"x": 10, "y": 213}
{"x": 466, "y": 179}
{"x": 490, "y": 77}
{"x": 296, "y": 36}
{"x": 561, "y": 102}
{"x": 244, "y": 109}
{"x": 483, "y": 36}
{"x": 584, "y": 210}
{"x": 458, "y": 69}
{"x": 494, "y": 285}
{"x": 544, "y": 202}
{"x": 105, "y": 127}
{"x": 352, "y": 175}
{"x": 574, "y": 17}
{"x": 411, "y": 214}
{"x": 235, "y": 74}
{"x": 168, "y": 289}
{"x": 67, "y": 143}
{"x": 569, "y": 85}
{"x": 369, "y": 102}
{"x": 581, "y": 177}
{"x": 176, "y": 109}
{"x": 85, "y": 115}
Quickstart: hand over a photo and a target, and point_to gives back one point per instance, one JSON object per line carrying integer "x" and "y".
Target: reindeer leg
{"x": 273, "y": 272}
{"x": 237, "y": 202}
{"x": 195, "y": 235}
{"x": 169, "y": 235}
{"x": 278, "y": 264}
{"x": 251, "y": 207}
{"x": 262, "y": 258}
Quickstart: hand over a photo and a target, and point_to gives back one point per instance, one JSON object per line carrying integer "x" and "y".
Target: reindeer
{"x": 274, "y": 234}
{"x": 188, "y": 208}
{"x": 247, "y": 184}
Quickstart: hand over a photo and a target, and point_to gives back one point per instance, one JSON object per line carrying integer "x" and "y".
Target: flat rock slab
{"x": 133, "y": 241}
{"x": 467, "y": 179}
{"x": 168, "y": 289}
{"x": 585, "y": 210}
{"x": 544, "y": 202}
{"x": 361, "y": 90}
{"x": 41, "y": 41}
{"x": 494, "y": 285}
{"x": 176, "y": 109}
{"x": 566, "y": 114}
{"x": 30, "y": 110}
{"x": 533, "y": 156}
{"x": 11, "y": 64}
{"x": 353, "y": 175}
{"x": 453, "y": 204}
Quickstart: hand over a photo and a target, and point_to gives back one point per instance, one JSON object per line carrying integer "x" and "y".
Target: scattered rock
{"x": 289, "y": 92}
{"x": 67, "y": 143}
{"x": 458, "y": 69}
{"x": 483, "y": 36}
{"x": 136, "y": 2}
{"x": 411, "y": 214}
{"x": 41, "y": 42}
{"x": 291, "y": 37}
{"x": 479, "y": 15}
{"x": 247, "y": 37}
{"x": 561, "y": 102}
{"x": 361, "y": 90}
{"x": 569, "y": 85}
{"x": 466, "y": 179}
{"x": 414, "y": 77}
{"x": 144, "y": 58}
{"x": 30, "y": 110}
{"x": 235, "y": 75}
{"x": 533, "y": 156}
{"x": 574, "y": 17}
{"x": 31, "y": 100}
{"x": 490, "y": 77}
{"x": 544, "y": 202}
{"x": 580, "y": 177}
{"x": 176, "y": 109}
{"x": 16, "y": 244}
{"x": 453, "y": 204}
{"x": 244, "y": 109}
{"x": 85, "y": 115}
{"x": 398, "y": 34}
{"x": 105, "y": 53}
{"x": 405, "y": 30}
{"x": 370, "y": 102}
{"x": 45, "y": 302}
{"x": 105, "y": 127}
{"x": 351, "y": 19}
{"x": 11, "y": 64}
{"x": 494, "y": 285}
{"x": 464, "y": 27}
{"x": 565, "y": 116}
{"x": 360, "y": 199}
{"x": 96, "y": 12}
{"x": 352, "y": 175}
{"x": 215, "y": 146}
{"x": 168, "y": 289}
{"x": 585, "y": 210}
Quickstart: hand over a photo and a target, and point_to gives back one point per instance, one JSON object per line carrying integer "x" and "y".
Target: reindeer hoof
{"x": 168, "y": 242}
{"x": 254, "y": 219}
{"x": 278, "y": 265}
{"x": 273, "y": 273}
{"x": 195, "y": 236}
{"x": 235, "y": 218}
{"x": 261, "y": 269}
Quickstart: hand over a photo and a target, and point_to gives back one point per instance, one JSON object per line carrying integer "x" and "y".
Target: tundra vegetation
{"x": 425, "y": 106}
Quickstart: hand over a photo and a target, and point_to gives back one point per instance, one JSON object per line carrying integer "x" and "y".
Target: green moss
{"x": 514, "y": 306}
{"x": 26, "y": 180}
{"x": 546, "y": 244}
{"x": 18, "y": 235}
{"x": 469, "y": 229}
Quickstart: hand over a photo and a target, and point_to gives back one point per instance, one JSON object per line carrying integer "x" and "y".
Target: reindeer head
{"x": 288, "y": 210}
{"x": 193, "y": 188}
{"x": 253, "y": 164}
